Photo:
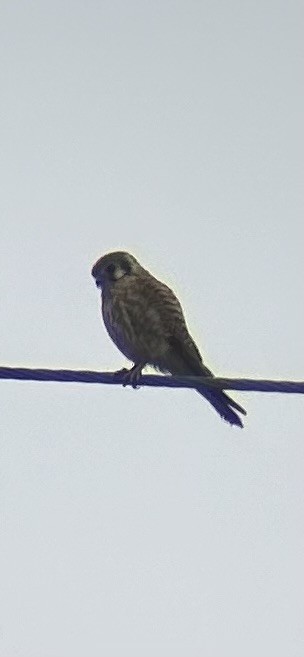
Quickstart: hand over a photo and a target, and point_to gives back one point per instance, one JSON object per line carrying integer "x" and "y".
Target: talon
{"x": 121, "y": 372}
{"x": 132, "y": 376}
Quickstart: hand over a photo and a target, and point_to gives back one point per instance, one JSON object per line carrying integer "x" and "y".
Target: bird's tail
{"x": 223, "y": 404}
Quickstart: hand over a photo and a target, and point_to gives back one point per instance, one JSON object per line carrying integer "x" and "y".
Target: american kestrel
{"x": 146, "y": 322}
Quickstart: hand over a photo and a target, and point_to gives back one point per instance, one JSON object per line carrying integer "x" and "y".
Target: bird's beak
{"x": 97, "y": 275}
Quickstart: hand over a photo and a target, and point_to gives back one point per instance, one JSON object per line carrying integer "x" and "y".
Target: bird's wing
{"x": 186, "y": 351}
{"x": 183, "y": 355}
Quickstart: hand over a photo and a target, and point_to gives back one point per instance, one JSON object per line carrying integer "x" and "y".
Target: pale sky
{"x": 138, "y": 524}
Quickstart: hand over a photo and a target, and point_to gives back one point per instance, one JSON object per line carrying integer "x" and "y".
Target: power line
{"x": 153, "y": 380}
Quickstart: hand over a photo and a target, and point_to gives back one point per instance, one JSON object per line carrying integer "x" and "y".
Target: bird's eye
{"x": 111, "y": 269}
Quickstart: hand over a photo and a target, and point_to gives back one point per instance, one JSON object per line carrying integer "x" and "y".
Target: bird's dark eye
{"x": 110, "y": 269}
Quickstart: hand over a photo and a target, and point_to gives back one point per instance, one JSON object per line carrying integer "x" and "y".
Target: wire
{"x": 115, "y": 378}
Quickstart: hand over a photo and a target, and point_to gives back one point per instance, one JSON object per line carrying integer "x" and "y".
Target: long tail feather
{"x": 233, "y": 403}
{"x": 222, "y": 404}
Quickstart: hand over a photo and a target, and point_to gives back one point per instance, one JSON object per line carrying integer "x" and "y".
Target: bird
{"x": 145, "y": 320}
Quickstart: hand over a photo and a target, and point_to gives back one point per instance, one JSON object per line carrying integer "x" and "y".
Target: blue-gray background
{"x": 138, "y": 524}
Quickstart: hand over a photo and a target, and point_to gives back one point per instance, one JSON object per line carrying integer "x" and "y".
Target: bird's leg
{"x": 132, "y": 376}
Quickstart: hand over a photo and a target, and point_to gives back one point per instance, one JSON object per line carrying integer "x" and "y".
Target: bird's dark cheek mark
{"x": 127, "y": 266}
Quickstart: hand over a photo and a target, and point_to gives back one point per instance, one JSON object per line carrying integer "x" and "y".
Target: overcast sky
{"x": 139, "y": 524}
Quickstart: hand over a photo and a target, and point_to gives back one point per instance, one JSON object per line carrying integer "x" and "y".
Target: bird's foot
{"x": 130, "y": 377}
{"x": 120, "y": 373}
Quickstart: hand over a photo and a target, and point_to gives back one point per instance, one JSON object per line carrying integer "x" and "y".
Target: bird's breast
{"x": 121, "y": 325}
{"x": 129, "y": 323}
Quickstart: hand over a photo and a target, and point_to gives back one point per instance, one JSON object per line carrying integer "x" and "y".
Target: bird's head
{"x": 113, "y": 266}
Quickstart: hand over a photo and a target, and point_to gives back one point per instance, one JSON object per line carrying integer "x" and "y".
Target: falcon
{"x": 145, "y": 320}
